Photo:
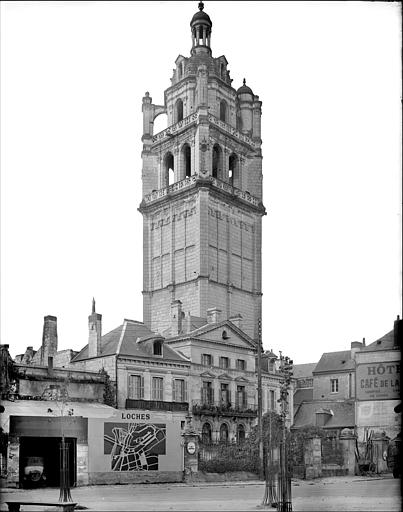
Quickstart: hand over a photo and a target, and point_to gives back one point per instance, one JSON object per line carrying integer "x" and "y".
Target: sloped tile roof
{"x": 303, "y": 395}
{"x": 302, "y": 371}
{"x": 126, "y": 340}
{"x": 343, "y": 413}
{"x": 335, "y": 361}
{"x": 384, "y": 343}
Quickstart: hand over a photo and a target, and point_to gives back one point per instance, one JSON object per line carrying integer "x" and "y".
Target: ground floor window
{"x": 206, "y": 433}
{"x": 240, "y": 434}
{"x": 224, "y": 433}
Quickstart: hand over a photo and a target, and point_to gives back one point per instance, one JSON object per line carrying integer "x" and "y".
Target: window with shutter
{"x": 136, "y": 386}
{"x": 179, "y": 390}
{"x": 157, "y": 388}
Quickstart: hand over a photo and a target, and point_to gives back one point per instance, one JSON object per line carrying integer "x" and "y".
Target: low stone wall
{"x": 135, "y": 477}
{"x": 334, "y": 470}
{"x": 234, "y": 476}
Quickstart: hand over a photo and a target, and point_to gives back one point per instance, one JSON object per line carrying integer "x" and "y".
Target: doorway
{"x": 40, "y": 461}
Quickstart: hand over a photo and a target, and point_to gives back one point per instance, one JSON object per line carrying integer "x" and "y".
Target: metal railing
{"x": 220, "y": 407}
{"x": 156, "y": 405}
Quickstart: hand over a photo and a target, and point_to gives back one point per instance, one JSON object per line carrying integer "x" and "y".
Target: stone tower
{"x": 202, "y": 192}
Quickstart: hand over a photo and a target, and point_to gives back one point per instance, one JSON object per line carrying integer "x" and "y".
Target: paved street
{"x": 333, "y": 494}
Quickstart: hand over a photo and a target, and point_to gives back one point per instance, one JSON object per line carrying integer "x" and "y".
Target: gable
{"x": 224, "y": 333}
{"x": 224, "y": 376}
{"x": 207, "y": 375}
{"x": 241, "y": 379}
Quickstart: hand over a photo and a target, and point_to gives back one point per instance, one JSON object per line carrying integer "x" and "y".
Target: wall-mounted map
{"x": 134, "y": 446}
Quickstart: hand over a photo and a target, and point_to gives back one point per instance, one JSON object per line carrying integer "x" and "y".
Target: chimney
{"x": 397, "y": 332}
{"x": 237, "y": 320}
{"x": 94, "y": 332}
{"x": 49, "y": 339}
{"x": 356, "y": 346}
{"x": 176, "y": 317}
{"x": 188, "y": 322}
{"x": 213, "y": 315}
{"x": 29, "y": 354}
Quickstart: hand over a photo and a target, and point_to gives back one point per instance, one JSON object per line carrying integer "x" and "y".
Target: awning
{"x": 51, "y": 408}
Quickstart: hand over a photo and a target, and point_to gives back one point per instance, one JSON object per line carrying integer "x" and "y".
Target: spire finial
{"x": 244, "y": 81}
{"x": 201, "y": 6}
{"x": 93, "y": 305}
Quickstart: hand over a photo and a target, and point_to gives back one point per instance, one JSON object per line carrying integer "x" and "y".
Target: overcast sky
{"x": 72, "y": 78}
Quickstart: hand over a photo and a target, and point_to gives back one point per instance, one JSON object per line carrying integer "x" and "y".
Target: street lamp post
{"x": 259, "y": 398}
{"x": 57, "y": 393}
{"x": 284, "y": 484}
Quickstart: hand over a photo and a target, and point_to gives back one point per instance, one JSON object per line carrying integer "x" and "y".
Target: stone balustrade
{"x": 189, "y": 181}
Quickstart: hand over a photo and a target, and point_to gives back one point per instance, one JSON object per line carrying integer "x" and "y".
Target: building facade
{"x": 357, "y": 388}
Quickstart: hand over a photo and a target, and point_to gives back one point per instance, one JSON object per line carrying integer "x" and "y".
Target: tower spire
{"x": 93, "y": 305}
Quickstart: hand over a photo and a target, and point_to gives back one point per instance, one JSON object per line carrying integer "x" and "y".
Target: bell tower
{"x": 202, "y": 192}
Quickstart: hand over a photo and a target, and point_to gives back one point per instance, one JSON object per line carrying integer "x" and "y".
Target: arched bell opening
{"x": 186, "y": 161}
{"x": 168, "y": 178}
{"x": 178, "y": 110}
{"x": 217, "y": 162}
{"x": 223, "y": 111}
{"x": 233, "y": 170}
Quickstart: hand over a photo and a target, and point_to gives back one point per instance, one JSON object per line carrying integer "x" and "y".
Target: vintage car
{"x": 34, "y": 470}
{"x": 393, "y": 456}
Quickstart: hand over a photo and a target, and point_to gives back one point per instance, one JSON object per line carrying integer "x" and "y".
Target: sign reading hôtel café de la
{"x": 378, "y": 381}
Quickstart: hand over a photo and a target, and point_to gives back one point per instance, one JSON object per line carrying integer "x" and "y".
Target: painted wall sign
{"x": 378, "y": 381}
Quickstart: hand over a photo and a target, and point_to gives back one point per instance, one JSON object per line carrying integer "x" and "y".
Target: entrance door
{"x": 40, "y": 461}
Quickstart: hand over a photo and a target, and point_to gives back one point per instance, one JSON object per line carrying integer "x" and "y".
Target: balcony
{"x": 156, "y": 405}
{"x": 222, "y": 408}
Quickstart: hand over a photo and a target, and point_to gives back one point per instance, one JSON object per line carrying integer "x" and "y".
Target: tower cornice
{"x": 230, "y": 194}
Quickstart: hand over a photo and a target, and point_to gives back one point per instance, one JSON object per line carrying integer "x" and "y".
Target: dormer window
{"x": 157, "y": 348}
{"x": 224, "y": 335}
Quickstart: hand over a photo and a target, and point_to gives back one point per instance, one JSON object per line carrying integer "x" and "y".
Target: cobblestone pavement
{"x": 332, "y": 494}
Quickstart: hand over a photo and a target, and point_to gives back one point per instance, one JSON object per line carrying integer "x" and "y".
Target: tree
{"x": 109, "y": 389}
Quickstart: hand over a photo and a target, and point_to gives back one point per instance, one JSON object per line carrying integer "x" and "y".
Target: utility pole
{"x": 259, "y": 398}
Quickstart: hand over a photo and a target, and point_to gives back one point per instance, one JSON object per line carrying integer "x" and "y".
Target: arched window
{"x": 168, "y": 169}
{"x": 179, "y": 110}
{"x": 224, "y": 433}
{"x": 186, "y": 160}
{"x": 222, "y": 70}
{"x": 157, "y": 348}
{"x": 223, "y": 110}
{"x": 206, "y": 433}
{"x": 180, "y": 70}
{"x": 233, "y": 170}
{"x": 217, "y": 161}
{"x": 240, "y": 434}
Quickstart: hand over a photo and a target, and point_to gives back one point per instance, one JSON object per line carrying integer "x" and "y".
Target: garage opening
{"x": 40, "y": 461}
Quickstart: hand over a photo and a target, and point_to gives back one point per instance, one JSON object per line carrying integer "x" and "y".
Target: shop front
{"x": 105, "y": 445}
